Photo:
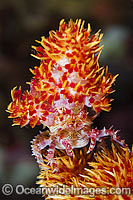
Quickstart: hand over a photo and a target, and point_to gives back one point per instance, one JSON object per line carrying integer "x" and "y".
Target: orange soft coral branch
{"x": 26, "y": 108}
{"x": 109, "y": 167}
{"x": 112, "y": 169}
{"x": 70, "y": 43}
{"x": 67, "y": 83}
{"x": 75, "y": 77}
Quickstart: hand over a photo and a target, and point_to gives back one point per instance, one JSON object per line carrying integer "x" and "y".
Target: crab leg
{"x": 38, "y": 144}
{"x": 51, "y": 150}
{"x": 68, "y": 146}
{"x": 50, "y": 155}
{"x": 93, "y": 136}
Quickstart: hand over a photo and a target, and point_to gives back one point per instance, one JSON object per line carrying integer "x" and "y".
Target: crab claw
{"x": 68, "y": 147}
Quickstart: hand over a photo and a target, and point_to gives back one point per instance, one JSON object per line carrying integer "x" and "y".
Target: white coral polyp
{"x": 63, "y": 61}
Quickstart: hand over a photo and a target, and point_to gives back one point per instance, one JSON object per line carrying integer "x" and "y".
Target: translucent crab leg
{"x": 93, "y": 136}
{"x": 38, "y": 144}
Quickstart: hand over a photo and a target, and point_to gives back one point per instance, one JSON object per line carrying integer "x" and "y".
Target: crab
{"x": 69, "y": 139}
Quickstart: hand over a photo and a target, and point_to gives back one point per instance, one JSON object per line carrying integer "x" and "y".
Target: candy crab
{"x": 68, "y": 84}
{"x": 69, "y": 140}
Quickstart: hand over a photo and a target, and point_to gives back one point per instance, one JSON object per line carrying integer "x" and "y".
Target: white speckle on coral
{"x": 57, "y": 74}
{"x": 87, "y": 102}
{"x": 63, "y": 61}
{"x": 63, "y": 102}
{"x": 38, "y": 112}
{"x": 74, "y": 77}
{"x": 72, "y": 92}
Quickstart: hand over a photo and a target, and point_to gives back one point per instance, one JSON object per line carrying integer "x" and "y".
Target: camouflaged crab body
{"x": 69, "y": 140}
{"x": 60, "y": 138}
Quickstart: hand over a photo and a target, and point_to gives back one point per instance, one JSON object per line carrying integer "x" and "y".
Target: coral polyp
{"x": 68, "y": 84}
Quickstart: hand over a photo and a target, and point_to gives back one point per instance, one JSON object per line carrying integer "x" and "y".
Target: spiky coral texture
{"x": 68, "y": 78}
{"x": 69, "y": 170}
{"x": 110, "y": 168}
{"x": 68, "y": 82}
{"x": 65, "y": 88}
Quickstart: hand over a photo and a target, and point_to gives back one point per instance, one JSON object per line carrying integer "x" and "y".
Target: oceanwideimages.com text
{"x": 8, "y": 189}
